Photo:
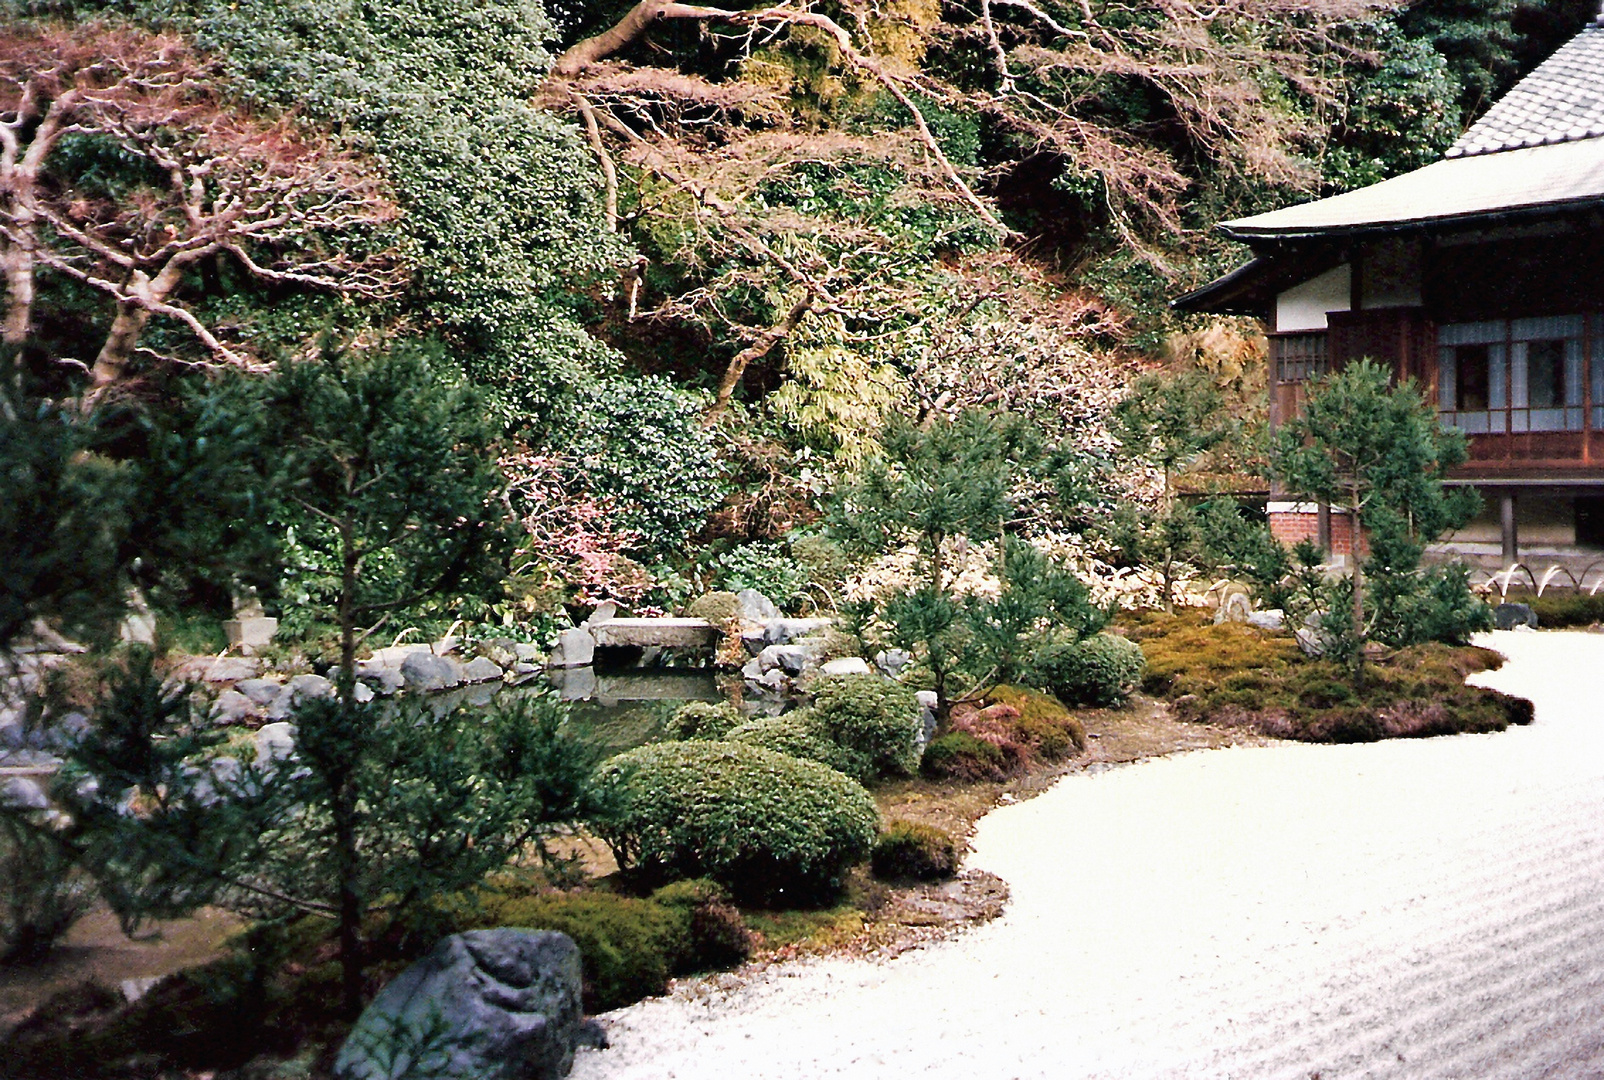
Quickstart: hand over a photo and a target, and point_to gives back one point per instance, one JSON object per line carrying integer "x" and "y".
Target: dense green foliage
{"x": 874, "y": 721}
{"x": 1379, "y": 453}
{"x": 63, "y": 519}
{"x": 1099, "y": 671}
{"x": 766, "y": 826}
{"x": 798, "y": 734}
{"x": 704, "y": 720}
{"x": 908, "y": 850}
{"x": 375, "y": 809}
{"x": 630, "y": 947}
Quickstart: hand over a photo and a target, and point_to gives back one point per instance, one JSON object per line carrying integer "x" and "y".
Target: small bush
{"x": 1558, "y": 609}
{"x": 766, "y": 567}
{"x": 1099, "y": 671}
{"x": 718, "y": 935}
{"x": 908, "y": 850}
{"x": 704, "y": 720}
{"x": 628, "y": 947}
{"x": 798, "y": 734}
{"x": 767, "y": 826}
{"x": 1044, "y": 723}
{"x": 717, "y": 608}
{"x": 875, "y": 722}
{"x": 43, "y": 892}
{"x": 958, "y": 755}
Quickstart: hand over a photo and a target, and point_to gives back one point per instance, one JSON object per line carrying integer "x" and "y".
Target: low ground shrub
{"x": 43, "y": 892}
{"x": 876, "y": 722}
{"x": 769, "y": 827}
{"x": 704, "y": 720}
{"x": 630, "y": 947}
{"x": 1244, "y": 677}
{"x": 1049, "y": 728}
{"x": 908, "y": 850}
{"x": 958, "y": 755}
{"x": 1099, "y": 671}
{"x": 1557, "y": 610}
{"x": 798, "y": 734}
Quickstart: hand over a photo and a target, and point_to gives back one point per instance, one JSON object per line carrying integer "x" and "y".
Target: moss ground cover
{"x": 1242, "y": 676}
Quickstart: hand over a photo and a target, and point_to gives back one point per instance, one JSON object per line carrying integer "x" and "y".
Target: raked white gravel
{"x": 1415, "y": 909}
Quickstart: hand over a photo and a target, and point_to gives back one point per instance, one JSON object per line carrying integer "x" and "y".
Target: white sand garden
{"x": 1417, "y": 908}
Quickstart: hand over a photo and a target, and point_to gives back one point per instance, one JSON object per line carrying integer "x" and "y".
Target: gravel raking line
{"x": 1415, "y": 909}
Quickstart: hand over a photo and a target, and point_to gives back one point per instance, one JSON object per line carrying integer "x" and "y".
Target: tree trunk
{"x": 595, "y": 49}
{"x": 345, "y": 868}
{"x": 120, "y": 343}
{"x": 756, "y": 351}
{"x": 19, "y": 267}
{"x": 347, "y": 611}
{"x": 1355, "y": 527}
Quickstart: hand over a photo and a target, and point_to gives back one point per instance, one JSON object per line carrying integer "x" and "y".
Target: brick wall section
{"x": 1290, "y": 528}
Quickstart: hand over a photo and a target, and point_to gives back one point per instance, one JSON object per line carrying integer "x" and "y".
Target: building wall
{"x": 1303, "y": 307}
{"x": 1294, "y": 522}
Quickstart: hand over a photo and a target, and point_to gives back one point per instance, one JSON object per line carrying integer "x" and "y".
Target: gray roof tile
{"x": 1561, "y": 101}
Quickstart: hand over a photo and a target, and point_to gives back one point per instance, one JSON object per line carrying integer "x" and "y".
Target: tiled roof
{"x": 1563, "y": 100}
{"x": 1470, "y": 187}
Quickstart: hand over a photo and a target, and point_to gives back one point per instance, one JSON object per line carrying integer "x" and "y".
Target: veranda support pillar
{"x": 1506, "y": 513}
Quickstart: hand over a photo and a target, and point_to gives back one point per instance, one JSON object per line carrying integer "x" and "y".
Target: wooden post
{"x": 1506, "y": 508}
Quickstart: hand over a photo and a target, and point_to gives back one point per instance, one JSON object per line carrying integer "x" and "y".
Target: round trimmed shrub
{"x": 959, "y": 755}
{"x": 908, "y": 850}
{"x": 1099, "y": 671}
{"x": 704, "y": 720}
{"x": 766, "y": 826}
{"x": 874, "y": 721}
{"x": 798, "y": 734}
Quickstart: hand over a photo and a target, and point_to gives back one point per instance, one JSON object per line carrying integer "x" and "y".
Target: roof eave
{"x": 1451, "y": 223}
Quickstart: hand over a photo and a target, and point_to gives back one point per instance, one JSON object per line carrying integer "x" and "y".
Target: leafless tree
{"x": 204, "y": 178}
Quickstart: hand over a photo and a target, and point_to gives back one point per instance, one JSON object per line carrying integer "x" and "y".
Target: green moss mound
{"x": 630, "y": 946}
{"x": 768, "y": 827}
{"x": 1241, "y": 676}
{"x": 1044, "y": 723}
{"x": 910, "y": 851}
{"x": 958, "y": 755}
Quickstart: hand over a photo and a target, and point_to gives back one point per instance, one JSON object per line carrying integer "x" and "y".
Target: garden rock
{"x": 274, "y": 742}
{"x": 526, "y": 652}
{"x": 231, "y": 707}
{"x": 23, "y": 793}
{"x": 13, "y": 734}
{"x": 426, "y": 671}
{"x": 64, "y": 733}
{"x": 299, "y": 689}
{"x": 754, "y": 638}
{"x": 1511, "y": 616}
{"x": 1235, "y": 606}
{"x": 385, "y": 681}
{"x": 782, "y": 631}
{"x": 392, "y": 656}
{"x": 790, "y": 658}
{"x": 362, "y": 693}
{"x": 231, "y": 669}
{"x": 1311, "y": 641}
{"x": 481, "y": 669}
{"x": 752, "y": 669}
{"x": 892, "y": 661}
{"x": 846, "y": 665}
{"x": 606, "y": 611}
{"x": 1268, "y": 619}
{"x": 493, "y": 1004}
{"x": 499, "y": 652}
{"x": 756, "y": 607}
{"x": 575, "y": 648}
{"x": 260, "y": 691}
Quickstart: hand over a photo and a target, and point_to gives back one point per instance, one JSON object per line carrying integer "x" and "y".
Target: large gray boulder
{"x": 755, "y": 607}
{"x": 575, "y": 648}
{"x": 485, "y": 1005}
{"x": 426, "y": 671}
{"x": 1514, "y": 616}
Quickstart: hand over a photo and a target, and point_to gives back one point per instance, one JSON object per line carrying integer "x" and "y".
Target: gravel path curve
{"x": 1414, "y": 909}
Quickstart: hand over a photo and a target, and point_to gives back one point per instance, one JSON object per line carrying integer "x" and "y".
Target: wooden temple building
{"x": 1482, "y": 277}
